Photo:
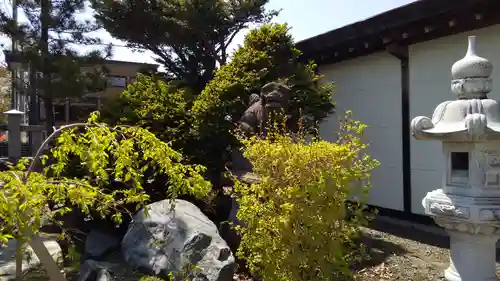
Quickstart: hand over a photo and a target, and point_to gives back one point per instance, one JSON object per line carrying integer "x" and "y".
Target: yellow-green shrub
{"x": 295, "y": 225}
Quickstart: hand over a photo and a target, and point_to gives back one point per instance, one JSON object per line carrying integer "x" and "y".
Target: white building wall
{"x": 430, "y": 76}
{"x": 370, "y": 86}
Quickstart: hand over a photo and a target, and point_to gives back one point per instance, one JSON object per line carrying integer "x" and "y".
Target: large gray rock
{"x": 168, "y": 241}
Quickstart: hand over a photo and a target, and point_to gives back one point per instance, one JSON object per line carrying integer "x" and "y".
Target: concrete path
{"x": 8, "y": 258}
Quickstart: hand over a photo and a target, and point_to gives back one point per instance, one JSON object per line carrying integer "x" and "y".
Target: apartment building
{"x": 119, "y": 75}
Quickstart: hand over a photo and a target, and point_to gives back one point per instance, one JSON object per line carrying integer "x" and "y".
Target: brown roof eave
{"x": 419, "y": 21}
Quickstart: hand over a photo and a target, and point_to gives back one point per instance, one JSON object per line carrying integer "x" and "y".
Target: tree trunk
{"x": 49, "y": 113}
{"x": 45, "y": 7}
{"x": 52, "y": 269}
{"x": 34, "y": 109}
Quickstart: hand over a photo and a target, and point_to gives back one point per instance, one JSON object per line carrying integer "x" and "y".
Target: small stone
{"x": 92, "y": 270}
{"x": 104, "y": 275}
{"x": 87, "y": 271}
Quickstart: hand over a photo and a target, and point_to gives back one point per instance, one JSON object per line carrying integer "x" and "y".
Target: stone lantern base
{"x": 472, "y": 257}
{"x": 474, "y": 228}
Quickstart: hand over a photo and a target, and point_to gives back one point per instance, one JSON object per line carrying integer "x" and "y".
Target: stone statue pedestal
{"x": 227, "y": 231}
{"x": 246, "y": 177}
{"x": 470, "y": 222}
{"x": 472, "y": 257}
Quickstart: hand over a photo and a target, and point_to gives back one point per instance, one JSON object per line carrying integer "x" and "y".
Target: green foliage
{"x": 152, "y": 104}
{"x": 150, "y": 278}
{"x": 268, "y": 54}
{"x": 294, "y": 222}
{"x": 189, "y": 37}
{"x": 163, "y": 109}
{"x": 185, "y": 275}
{"x": 26, "y": 194}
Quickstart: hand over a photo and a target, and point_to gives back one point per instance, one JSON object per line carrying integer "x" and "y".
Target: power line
{"x": 104, "y": 45}
{"x": 83, "y": 45}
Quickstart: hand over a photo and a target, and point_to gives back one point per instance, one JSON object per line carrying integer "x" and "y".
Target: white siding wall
{"x": 370, "y": 86}
{"x": 430, "y": 64}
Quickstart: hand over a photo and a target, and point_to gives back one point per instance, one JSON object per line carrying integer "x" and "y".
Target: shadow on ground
{"x": 416, "y": 234}
{"x": 411, "y": 233}
{"x": 376, "y": 251}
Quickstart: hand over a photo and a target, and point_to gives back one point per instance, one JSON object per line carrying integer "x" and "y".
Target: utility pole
{"x": 14, "y": 77}
{"x": 45, "y": 85}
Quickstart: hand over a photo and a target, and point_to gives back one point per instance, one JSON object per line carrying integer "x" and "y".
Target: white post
{"x": 14, "y": 118}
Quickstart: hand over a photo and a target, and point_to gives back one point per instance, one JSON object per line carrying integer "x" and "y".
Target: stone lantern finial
{"x": 471, "y": 74}
{"x": 473, "y": 116}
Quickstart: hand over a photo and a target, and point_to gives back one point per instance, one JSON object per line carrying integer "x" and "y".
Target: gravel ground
{"x": 395, "y": 258}
{"x": 401, "y": 253}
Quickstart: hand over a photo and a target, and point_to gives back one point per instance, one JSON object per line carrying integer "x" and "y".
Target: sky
{"x": 306, "y": 18}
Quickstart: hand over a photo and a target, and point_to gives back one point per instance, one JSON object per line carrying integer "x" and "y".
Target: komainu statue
{"x": 273, "y": 101}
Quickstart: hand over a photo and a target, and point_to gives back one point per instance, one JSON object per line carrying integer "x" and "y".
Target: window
{"x": 81, "y": 109}
{"x": 117, "y": 81}
{"x": 80, "y": 112}
{"x": 459, "y": 162}
{"x": 76, "y": 109}
{"x": 87, "y": 100}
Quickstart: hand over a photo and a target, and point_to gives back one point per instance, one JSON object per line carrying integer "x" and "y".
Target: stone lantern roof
{"x": 472, "y": 116}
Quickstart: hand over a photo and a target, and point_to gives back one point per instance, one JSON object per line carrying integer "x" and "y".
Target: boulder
{"x": 98, "y": 243}
{"x": 172, "y": 240}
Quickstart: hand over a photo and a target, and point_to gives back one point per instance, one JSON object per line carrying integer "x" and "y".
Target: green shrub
{"x": 163, "y": 109}
{"x": 294, "y": 222}
{"x": 268, "y": 54}
{"x": 155, "y": 105}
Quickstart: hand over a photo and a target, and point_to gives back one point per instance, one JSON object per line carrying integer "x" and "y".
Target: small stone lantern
{"x": 468, "y": 203}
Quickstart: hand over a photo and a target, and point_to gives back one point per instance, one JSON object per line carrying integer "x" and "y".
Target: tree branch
{"x": 47, "y": 140}
{"x": 165, "y": 59}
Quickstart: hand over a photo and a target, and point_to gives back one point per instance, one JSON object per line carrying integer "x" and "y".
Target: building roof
{"x": 151, "y": 65}
{"x": 14, "y": 57}
{"x": 419, "y": 21}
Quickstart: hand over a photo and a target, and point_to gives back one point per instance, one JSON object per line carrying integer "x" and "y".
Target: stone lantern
{"x": 467, "y": 204}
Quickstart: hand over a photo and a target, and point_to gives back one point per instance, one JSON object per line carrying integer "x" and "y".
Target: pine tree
{"x": 48, "y": 42}
{"x": 190, "y": 38}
